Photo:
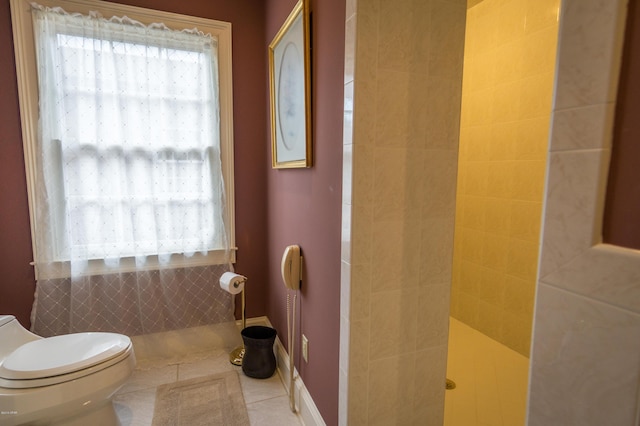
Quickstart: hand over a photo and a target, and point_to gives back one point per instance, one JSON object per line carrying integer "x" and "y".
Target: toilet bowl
{"x": 63, "y": 380}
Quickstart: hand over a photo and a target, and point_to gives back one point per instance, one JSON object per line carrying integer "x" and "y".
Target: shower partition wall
{"x": 402, "y": 106}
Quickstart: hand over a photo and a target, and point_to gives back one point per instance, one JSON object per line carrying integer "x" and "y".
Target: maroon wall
{"x": 274, "y": 208}
{"x": 16, "y": 276}
{"x": 305, "y": 209}
{"x": 250, "y": 94}
{"x": 621, "y": 221}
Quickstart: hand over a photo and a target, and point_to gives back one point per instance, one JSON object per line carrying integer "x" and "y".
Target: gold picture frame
{"x": 290, "y": 91}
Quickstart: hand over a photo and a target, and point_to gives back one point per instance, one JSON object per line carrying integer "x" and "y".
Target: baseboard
{"x": 305, "y": 406}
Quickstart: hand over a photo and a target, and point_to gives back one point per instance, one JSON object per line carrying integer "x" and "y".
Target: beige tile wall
{"x": 585, "y": 367}
{"x": 509, "y": 62}
{"x": 403, "y": 73}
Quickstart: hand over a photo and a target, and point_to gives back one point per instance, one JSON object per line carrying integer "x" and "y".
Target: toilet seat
{"x": 59, "y": 359}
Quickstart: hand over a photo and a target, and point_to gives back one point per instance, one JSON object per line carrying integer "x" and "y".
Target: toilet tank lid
{"x": 5, "y": 319}
{"x": 58, "y": 355}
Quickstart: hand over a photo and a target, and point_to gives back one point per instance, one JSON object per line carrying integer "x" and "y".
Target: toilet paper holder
{"x": 237, "y": 355}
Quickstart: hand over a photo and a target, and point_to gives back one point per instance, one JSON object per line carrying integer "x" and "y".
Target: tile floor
{"x": 184, "y": 354}
{"x": 491, "y": 380}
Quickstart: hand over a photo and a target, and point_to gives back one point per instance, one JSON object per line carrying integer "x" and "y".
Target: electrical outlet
{"x": 305, "y": 348}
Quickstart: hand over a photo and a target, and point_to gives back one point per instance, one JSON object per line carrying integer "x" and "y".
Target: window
{"x": 133, "y": 164}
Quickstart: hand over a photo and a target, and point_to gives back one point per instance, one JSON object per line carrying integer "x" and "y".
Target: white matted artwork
{"x": 290, "y": 92}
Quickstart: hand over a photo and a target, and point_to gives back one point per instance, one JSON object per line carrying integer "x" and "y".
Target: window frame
{"x": 26, "y": 70}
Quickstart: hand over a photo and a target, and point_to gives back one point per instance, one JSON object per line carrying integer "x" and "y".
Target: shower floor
{"x": 491, "y": 380}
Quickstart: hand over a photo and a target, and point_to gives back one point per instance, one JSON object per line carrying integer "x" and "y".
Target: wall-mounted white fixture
{"x": 291, "y": 269}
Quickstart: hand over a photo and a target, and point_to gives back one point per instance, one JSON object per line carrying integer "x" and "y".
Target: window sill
{"x": 62, "y": 270}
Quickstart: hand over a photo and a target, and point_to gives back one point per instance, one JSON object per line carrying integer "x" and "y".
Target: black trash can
{"x": 259, "y": 360}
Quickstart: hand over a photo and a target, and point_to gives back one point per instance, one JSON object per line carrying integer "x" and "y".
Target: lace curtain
{"x": 130, "y": 190}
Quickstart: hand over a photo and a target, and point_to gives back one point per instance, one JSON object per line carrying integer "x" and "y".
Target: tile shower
{"x": 400, "y": 170}
{"x": 509, "y": 65}
{"x": 572, "y": 305}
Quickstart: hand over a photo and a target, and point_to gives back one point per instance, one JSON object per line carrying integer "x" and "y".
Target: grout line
{"x": 268, "y": 399}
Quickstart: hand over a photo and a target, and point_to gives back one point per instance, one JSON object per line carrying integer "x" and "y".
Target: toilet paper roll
{"x": 232, "y": 283}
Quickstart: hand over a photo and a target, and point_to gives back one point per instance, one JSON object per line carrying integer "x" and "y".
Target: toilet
{"x": 63, "y": 380}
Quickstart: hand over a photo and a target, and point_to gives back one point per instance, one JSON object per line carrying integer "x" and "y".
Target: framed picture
{"x": 290, "y": 88}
